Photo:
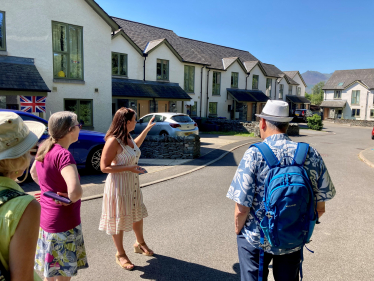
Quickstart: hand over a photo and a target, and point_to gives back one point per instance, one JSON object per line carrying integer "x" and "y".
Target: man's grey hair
{"x": 279, "y": 126}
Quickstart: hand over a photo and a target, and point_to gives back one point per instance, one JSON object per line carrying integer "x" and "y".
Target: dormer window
{"x": 337, "y": 94}
{"x": 162, "y": 69}
{"x": 119, "y": 64}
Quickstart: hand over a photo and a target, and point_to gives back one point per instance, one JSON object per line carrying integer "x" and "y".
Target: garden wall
{"x": 363, "y": 123}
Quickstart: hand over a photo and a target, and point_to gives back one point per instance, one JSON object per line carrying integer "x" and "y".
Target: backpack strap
{"x": 269, "y": 156}
{"x": 8, "y": 194}
{"x": 300, "y": 154}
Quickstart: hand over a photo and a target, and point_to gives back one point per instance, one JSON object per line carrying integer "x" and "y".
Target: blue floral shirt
{"x": 247, "y": 187}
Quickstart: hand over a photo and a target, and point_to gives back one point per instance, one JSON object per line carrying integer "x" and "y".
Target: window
{"x": 255, "y": 82}
{"x": 119, "y": 64}
{"x": 146, "y": 119}
{"x": 356, "y": 112}
{"x": 268, "y": 87}
{"x": 290, "y": 89}
{"x": 234, "y": 79}
{"x": 299, "y": 91}
{"x": 216, "y": 83}
{"x": 281, "y": 91}
{"x": 83, "y": 108}
{"x": 2, "y": 31}
{"x": 371, "y": 113}
{"x": 355, "y": 97}
{"x": 159, "y": 118}
{"x": 181, "y": 118}
{"x": 162, "y": 69}
{"x": 341, "y": 84}
{"x": 189, "y": 78}
{"x": 67, "y": 41}
{"x": 213, "y": 109}
{"x": 337, "y": 94}
{"x": 194, "y": 109}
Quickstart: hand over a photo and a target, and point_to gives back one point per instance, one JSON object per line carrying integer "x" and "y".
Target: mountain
{"x": 314, "y": 77}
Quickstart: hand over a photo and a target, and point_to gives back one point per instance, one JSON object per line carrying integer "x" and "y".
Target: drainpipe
{"x": 207, "y": 93}
{"x": 145, "y": 57}
{"x": 366, "y": 107}
{"x": 275, "y": 88}
{"x": 246, "y": 80}
{"x": 201, "y": 90}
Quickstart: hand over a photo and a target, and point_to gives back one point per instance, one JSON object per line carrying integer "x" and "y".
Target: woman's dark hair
{"x": 118, "y": 128}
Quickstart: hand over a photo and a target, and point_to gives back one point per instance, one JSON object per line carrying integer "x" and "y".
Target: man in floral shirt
{"x": 247, "y": 190}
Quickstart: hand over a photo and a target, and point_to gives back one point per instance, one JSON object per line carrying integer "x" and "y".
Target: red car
{"x": 372, "y": 134}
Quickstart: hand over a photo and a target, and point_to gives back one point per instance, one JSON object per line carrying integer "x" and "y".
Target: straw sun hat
{"x": 17, "y": 136}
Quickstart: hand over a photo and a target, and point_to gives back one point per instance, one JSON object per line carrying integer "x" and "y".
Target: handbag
{"x": 5, "y": 196}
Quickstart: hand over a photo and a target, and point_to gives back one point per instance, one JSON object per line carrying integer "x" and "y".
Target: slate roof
{"x": 271, "y": 70}
{"x": 297, "y": 99}
{"x": 147, "y": 89}
{"x": 248, "y": 95}
{"x": 333, "y": 103}
{"x": 292, "y": 74}
{"x": 20, "y": 74}
{"x": 190, "y": 50}
{"x": 249, "y": 65}
{"x": 347, "y": 77}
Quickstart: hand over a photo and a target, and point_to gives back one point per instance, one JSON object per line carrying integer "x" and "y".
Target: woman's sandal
{"x": 138, "y": 249}
{"x": 125, "y": 265}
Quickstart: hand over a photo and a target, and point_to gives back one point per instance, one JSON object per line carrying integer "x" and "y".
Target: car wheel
{"x": 372, "y": 137}
{"x": 164, "y": 133}
{"x": 93, "y": 160}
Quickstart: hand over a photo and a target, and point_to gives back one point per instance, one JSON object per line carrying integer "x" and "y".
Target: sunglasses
{"x": 79, "y": 125}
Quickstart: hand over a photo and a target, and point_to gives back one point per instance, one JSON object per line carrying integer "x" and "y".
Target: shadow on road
{"x": 165, "y": 268}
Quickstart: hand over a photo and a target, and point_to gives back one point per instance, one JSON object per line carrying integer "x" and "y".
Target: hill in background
{"x": 312, "y": 78}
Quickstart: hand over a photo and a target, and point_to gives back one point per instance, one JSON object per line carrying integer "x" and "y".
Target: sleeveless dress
{"x": 122, "y": 200}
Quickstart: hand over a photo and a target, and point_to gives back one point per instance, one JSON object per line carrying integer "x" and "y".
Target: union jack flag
{"x": 32, "y": 103}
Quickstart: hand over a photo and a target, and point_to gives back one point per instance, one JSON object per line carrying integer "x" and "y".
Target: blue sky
{"x": 291, "y": 34}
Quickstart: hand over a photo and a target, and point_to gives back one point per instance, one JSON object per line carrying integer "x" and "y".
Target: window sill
{"x": 337, "y": 98}
{"x": 215, "y": 95}
{"x": 120, "y": 77}
{"x": 3, "y": 53}
{"x": 69, "y": 81}
{"x": 165, "y": 81}
{"x": 190, "y": 93}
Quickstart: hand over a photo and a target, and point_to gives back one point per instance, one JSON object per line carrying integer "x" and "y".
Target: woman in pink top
{"x": 60, "y": 249}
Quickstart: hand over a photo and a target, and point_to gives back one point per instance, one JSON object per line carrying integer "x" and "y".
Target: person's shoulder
{"x": 112, "y": 141}
{"x": 314, "y": 152}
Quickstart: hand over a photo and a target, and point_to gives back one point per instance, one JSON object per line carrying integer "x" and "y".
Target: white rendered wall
{"x": 29, "y": 34}
{"x": 262, "y": 79}
{"x": 297, "y": 78}
{"x": 285, "y": 88}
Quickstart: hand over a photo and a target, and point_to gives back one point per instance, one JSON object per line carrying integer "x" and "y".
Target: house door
{"x": 163, "y": 106}
{"x": 326, "y": 113}
{"x": 143, "y": 108}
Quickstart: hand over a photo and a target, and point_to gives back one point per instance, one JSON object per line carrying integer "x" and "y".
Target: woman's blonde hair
{"x": 59, "y": 125}
{"x": 8, "y": 166}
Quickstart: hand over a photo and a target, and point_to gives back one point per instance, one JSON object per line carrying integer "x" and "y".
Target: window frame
{"x": 371, "y": 111}
{"x": 281, "y": 89}
{"x": 298, "y": 91}
{"x": 357, "y": 101}
{"x": 290, "y": 89}
{"x": 187, "y": 81}
{"x": 268, "y": 86}
{"x": 217, "y": 84}
{"x": 127, "y": 66}
{"x": 257, "y": 80}
{"x": 4, "y": 35}
{"x": 212, "y": 114}
{"x": 233, "y": 80}
{"x": 195, "y": 104}
{"x": 68, "y": 52}
{"x": 355, "y": 110}
{"x": 336, "y": 96}
{"x": 162, "y": 66}
{"x": 78, "y": 110}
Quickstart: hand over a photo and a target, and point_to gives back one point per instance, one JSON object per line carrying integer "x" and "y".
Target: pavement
{"x": 191, "y": 228}
{"x": 367, "y": 156}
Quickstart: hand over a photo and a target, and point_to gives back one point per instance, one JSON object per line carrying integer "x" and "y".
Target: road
{"x": 190, "y": 225}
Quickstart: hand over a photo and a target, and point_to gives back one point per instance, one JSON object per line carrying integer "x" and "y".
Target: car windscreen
{"x": 181, "y": 118}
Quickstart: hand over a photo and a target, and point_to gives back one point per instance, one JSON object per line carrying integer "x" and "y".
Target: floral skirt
{"x": 60, "y": 254}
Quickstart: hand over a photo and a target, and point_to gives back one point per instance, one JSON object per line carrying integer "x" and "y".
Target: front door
{"x": 163, "y": 106}
{"x": 143, "y": 108}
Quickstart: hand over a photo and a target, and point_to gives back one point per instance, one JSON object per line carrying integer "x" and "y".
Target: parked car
{"x": 86, "y": 151}
{"x": 372, "y": 134}
{"x": 301, "y": 115}
{"x": 168, "y": 124}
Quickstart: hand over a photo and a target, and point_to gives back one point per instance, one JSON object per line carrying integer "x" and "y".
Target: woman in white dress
{"x": 123, "y": 208}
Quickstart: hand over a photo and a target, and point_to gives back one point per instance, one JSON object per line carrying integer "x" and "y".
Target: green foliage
{"x": 317, "y": 93}
{"x": 315, "y": 122}
{"x": 308, "y": 96}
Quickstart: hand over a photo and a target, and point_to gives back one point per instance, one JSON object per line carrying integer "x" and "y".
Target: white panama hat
{"x": 275, "y": 110}
{"x": 17, "y": 136}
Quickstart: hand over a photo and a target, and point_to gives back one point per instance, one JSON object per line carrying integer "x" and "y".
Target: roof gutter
{"x": 207, "y": 92}
{"x": 246, "y": 80}
{"x": 201, "y": 88}
{"x": 145, "y": 58}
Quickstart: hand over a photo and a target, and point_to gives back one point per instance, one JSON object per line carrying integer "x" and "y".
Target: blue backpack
{"x": 290, "y": 207}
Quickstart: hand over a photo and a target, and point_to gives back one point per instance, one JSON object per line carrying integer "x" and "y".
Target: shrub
{"x": 315, "y": 122}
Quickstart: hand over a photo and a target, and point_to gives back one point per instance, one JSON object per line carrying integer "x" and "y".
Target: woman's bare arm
{"x": 23, "y": 244}
{"x": 71, "y": 177}
{"x": 33, "y": 173}
{"x": 139, "y": 140}
{"x": 109, "y": 153}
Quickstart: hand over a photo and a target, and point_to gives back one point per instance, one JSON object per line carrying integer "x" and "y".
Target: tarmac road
{"x": 190, "y": 225}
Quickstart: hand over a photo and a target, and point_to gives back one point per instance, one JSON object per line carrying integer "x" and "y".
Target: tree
{"x": 308, "y": 96}
{"x": 317, "y": 93}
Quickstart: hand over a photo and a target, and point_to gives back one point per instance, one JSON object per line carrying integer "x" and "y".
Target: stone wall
{"x": 159, "y": 147}
{"x": 248, "y": 127}
{"x": 363, "y": 123}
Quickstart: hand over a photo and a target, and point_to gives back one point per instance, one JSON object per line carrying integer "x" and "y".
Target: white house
{"x": 49, "y": 49}
{"x": 349, "y": 94}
